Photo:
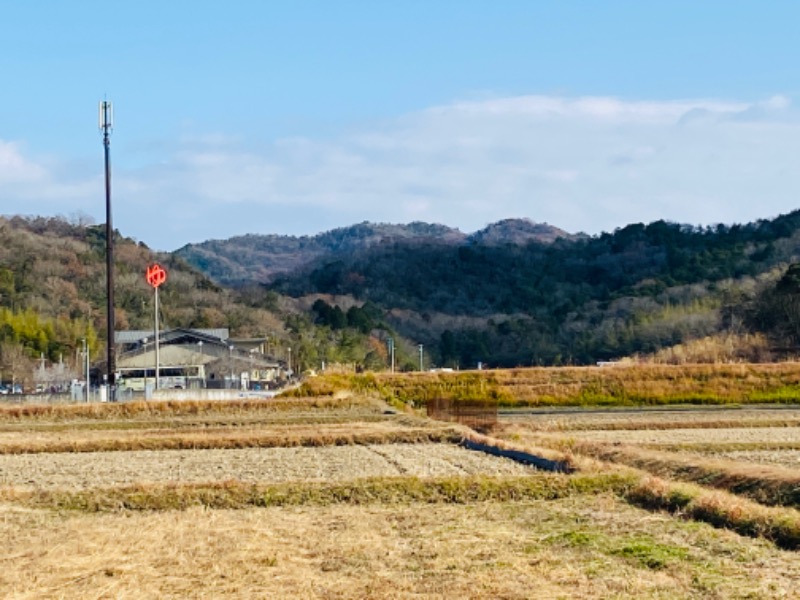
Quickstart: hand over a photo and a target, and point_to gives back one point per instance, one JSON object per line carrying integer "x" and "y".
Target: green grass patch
{"x": 643, "y": 551}
{"x": 649, "y": 553}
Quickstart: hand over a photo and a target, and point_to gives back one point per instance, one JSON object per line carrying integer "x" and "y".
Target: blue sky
{"x": 298, "y": 117}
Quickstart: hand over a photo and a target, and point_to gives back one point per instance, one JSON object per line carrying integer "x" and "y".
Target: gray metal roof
{"x": 136, "y": 336}
{"x": 169, "y": 356}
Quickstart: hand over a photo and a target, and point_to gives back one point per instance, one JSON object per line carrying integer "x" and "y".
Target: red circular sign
{"x": 156, "y": 275}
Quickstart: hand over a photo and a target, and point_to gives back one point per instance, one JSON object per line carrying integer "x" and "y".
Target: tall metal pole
{"x": 421, "y": 368}
{"x": 158, "y": 360}
{"x": 106, "y": 126}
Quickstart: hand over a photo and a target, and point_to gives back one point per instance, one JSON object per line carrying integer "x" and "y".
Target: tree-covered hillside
{"x": 373, "y": 292}
{"x": 260, "y": 258}
{"x": 636, "y": 290}
{"x": 53, "y": 293}
{"x": 53, "y": 296}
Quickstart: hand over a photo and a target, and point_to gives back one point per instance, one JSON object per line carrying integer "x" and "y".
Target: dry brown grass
{"x": 766, "y": 484}
{"x": 721, "y": 509}
{"x": 663, "y": 418}
{"x": 353, "y": 433}
{"x": 678, "y": 437}
{"x": 721, "y": 348}
{"x": 576, "y": 547}
{"x": 652, "y": 384}
{"x": 176, "y": 408}
{"x": 783, "y": 457}
{"x": 248, "y": 466}
{"x": 476, "y": 534}
{"x": 516, "y": 484}
{"x": 619, "y": 385}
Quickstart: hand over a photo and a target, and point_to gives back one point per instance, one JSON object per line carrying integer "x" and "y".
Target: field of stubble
{"x": 345, "y": 499}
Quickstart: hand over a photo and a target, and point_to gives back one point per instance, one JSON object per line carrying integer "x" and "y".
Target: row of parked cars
{"x": 11, "y": 389}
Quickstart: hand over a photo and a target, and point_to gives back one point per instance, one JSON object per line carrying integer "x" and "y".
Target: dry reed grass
{"x": 722, "y": 348}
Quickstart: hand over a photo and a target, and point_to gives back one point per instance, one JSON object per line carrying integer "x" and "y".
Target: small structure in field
{"x": 481, "y": 415}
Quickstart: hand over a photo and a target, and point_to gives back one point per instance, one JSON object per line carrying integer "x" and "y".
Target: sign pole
{"x": 156, "y": 275}
{"x": 158, "y": 362}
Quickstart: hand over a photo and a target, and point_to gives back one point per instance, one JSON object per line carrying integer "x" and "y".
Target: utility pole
{"x": 106, "y": 124}
{"x": 421, "y": 367}
{"x": 85, "y": 365}
{"x": 390, "y": 341}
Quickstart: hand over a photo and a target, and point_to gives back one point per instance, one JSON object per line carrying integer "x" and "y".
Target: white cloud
{"x": 602, "y": 109}
{"x": 15, "y": 168}
{"x": 587, "y": 164}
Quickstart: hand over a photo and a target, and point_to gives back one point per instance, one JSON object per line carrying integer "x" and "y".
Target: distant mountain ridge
{"x": 518, "y": 232}
{"x": 514, "y": 293}
{"x": 260, "y": 258}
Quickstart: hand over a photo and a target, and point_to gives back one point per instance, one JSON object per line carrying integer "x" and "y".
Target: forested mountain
{"x": 636, "y": 290}
{"x": 516, "y": 293}
{"x": 260, "y": 258}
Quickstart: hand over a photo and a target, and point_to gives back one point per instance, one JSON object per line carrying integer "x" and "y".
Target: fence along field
{"x": 341, "y": 529}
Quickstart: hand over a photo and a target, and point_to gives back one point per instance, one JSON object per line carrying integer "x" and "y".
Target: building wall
{"x": 207, "y": 394}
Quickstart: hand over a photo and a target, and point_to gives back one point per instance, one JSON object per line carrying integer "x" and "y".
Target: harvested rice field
{"x": 778, "y": 458}
{"x": 45, "y": 439}
{"x": 654, "y": 418}
{"x": 326, "y": 498}
{"x": 753, "y": 452}
{"x": 582, "y": 547}
{"x": 265, "y": 465}
{"x": 674, "y": 437}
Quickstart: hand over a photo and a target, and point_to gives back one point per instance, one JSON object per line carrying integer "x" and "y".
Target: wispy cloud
{"x": 587, "y": 164}
{"x": 15, "y": 168}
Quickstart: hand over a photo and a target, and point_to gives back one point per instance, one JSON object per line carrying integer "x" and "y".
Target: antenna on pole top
{"x": 105, "y": 116}
{"x": 105, "y": 121}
